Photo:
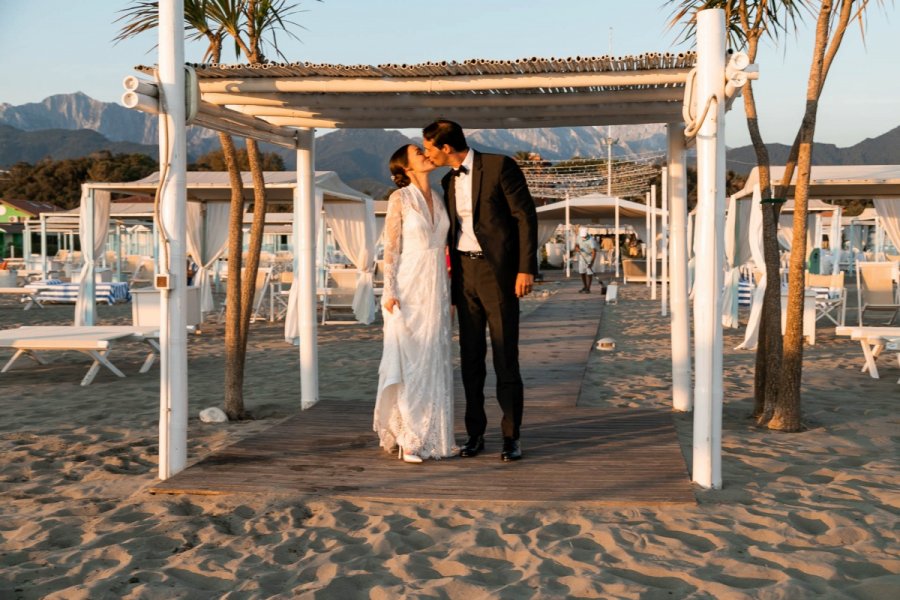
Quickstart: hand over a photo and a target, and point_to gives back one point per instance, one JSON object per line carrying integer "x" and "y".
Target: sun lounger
{"x": 110, "y": 293}
{"x": 873, "y": 341}
{"x": 96, "y": 342}
{"x": 29, "y": 296}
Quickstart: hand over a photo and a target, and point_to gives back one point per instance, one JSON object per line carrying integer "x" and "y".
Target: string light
{"x": 552, "y": 180}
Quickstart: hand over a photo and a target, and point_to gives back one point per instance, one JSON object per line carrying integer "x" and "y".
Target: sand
{"x": 807, "y": 515}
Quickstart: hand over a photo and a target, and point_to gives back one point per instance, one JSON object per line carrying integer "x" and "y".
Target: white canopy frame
{"x": 266, "y": 101}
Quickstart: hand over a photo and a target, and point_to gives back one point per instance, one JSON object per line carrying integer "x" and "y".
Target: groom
{"x": 493, "y": 254}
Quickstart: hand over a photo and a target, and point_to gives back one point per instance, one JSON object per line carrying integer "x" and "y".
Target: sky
{"x": 62, "y": 46}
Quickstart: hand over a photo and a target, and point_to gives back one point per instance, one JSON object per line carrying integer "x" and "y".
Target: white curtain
{"x": 379, "y": 229}
{"x": 353, "y": 225}
{"x": 786, "y": 231}
{"x": 207, "y": 237}
{"x": 93, "y": 222}
{"x": 834, "y": 240}
{"x": 546, "y": 229}
{"x": 889, "y": 211}
{"x": 755, "y": 240}
{"x": 292, "y": 318}
{"x": 732, "y": 274}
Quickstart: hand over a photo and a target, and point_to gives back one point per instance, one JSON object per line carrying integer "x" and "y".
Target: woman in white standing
{"x": 414, "y": 407}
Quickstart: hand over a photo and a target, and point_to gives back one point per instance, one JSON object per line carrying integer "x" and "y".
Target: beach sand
{"x": 806, "y": 515}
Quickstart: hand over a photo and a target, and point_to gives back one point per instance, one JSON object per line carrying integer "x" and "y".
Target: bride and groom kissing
{"x": 486, "y": 223}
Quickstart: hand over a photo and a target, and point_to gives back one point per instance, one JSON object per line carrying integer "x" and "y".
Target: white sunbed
{"x": 873, "y": 341}
{"x": 95, "y": 341}
{"x": 30, "y": 296}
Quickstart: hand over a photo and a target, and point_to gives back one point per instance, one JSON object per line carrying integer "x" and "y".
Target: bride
{"x": 414, "y": 406}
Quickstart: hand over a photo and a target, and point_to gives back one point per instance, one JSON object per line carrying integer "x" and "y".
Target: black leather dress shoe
{"x": 512, "y": 450}
{"x": 473, "y": 446}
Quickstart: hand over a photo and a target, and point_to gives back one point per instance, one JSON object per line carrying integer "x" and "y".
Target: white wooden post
{"x": 568, "y": 258}
{"x": 651, "y": 270}
{"x": 173, "y": 400}
{"x": 88, "y": 281}
{"x": 617, "y": 237}
{"x": 665, "y": 245}
{"x": 44, "y": 268}
{"x": 710, "y": 83}
{"x": 647, "y": 220}
{"x": 305, "y": 258}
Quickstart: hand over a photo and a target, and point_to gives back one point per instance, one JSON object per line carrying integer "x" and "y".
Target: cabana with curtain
{"x": 208, "y": 195}
{"x": 878, "y": 182}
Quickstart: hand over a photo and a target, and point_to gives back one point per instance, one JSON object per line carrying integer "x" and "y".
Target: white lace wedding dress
{"x": 414, "y": 406}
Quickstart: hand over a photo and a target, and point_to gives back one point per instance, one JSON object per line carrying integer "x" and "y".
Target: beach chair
{"x": 634, "y": 269}
{"x": 279, "y": 293}
{"x": 261, "y": 290}
{"x": 337, "y": 297}
{"x": 831, "y": 296}
{"x": 876, "y": 290}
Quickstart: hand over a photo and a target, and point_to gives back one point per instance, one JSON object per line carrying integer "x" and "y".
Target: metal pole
{"x": 306, "y": 262}
{"x": 173, "y": 400}
{"x": 710, "y": 83}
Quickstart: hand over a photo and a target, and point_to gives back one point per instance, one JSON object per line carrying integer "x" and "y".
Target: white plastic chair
{"x": 876, "y": 289}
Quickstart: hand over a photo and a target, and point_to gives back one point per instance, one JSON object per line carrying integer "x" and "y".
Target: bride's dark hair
{"x": 398, "y": 165}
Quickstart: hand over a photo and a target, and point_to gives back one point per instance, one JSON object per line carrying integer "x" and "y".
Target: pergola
{"x": 284, "y": 103}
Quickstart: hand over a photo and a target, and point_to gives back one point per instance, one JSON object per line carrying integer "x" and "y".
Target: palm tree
{"x": 777, "y": 387}
{"x": 747, "y": 23}
{"x": 250, "y": 25}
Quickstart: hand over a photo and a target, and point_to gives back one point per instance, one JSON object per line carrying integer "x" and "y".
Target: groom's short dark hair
{"x": 443, "y": 132}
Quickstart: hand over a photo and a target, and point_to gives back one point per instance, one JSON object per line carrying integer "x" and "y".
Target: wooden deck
{"x": 573, "y": 455}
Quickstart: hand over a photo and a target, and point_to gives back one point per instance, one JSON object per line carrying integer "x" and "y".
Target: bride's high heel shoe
{"x": 409, "y": 458}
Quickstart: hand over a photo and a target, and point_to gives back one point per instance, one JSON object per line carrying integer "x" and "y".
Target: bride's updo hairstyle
{"x": 398, "y": 165}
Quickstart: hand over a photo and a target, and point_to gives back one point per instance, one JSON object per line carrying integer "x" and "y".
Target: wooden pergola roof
{"x": 493, "y": 94}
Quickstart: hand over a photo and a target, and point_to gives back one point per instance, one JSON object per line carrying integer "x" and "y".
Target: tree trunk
{"x": 787, "y": 415}
{"x": 248, "y": 287}
{"x": 768, "y": 348}
{"x": 234, "y": 350}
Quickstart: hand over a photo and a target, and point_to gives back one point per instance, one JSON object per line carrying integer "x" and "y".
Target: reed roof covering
{"x": 478, "y": 93}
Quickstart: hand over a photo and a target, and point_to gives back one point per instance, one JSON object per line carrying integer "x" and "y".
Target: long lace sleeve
{"x": 393, "y": 225}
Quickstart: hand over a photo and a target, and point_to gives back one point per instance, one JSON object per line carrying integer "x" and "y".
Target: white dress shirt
{"x": 466, "y": 242}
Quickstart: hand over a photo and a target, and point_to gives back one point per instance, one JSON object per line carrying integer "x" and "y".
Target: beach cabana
{"x": 208, "y": 197}
{"x": 284, "y": 103}
{"x": 595, "y": 209}
{"x": 880, "y": 183}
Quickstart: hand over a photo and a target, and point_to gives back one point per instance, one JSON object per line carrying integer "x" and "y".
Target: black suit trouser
{"x": 482, "y": 301}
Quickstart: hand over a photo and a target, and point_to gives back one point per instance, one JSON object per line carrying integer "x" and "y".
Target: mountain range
{"x": 73, "y": 125}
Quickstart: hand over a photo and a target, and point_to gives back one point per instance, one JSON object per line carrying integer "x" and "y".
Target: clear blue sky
{"x": 62, "y": 46}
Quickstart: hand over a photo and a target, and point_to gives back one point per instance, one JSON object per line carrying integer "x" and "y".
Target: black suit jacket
{"x": 504, "y": 217}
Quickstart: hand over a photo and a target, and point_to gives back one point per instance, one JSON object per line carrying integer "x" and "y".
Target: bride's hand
{"x": 390, "y": 304}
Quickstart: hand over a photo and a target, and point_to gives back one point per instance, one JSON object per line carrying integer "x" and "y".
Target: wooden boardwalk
{"x": 573, "y": 455}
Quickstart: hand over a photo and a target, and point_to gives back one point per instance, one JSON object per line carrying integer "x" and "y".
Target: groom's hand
{"x": 524, "y": 284}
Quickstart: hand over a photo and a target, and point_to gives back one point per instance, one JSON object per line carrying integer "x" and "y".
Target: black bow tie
{"x": 459, "y": 171}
